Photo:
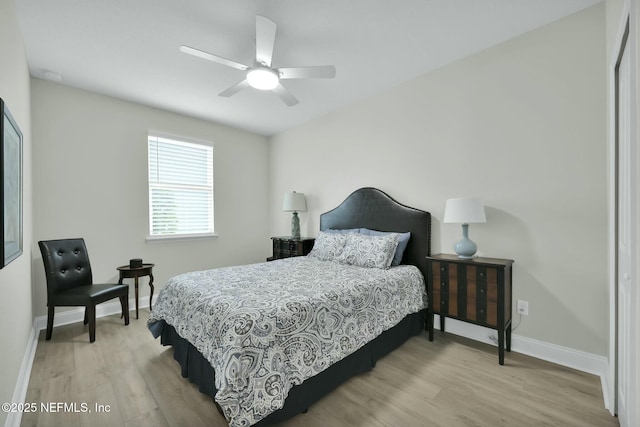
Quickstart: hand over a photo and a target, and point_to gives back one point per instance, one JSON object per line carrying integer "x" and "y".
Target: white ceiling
{"x": 129, "y": 48}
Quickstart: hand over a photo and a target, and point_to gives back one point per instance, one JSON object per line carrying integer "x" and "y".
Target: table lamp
{"x": 464, "y": 211}
{"x": 294, "y": 202}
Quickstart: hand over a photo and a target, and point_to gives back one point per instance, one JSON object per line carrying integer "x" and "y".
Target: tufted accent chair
{"x": 70, "y": 283}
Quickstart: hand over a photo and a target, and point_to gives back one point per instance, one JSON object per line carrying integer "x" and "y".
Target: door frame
{"x": 627, "y": 33}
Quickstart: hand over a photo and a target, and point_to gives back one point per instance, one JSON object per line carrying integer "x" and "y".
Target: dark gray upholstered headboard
{"x": 371, "y": 208}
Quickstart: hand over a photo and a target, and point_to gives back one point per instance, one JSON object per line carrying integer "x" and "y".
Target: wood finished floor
{"x": 449, "y": 382}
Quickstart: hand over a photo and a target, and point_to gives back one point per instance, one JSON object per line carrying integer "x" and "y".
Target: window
{"x": 180, "y": 188}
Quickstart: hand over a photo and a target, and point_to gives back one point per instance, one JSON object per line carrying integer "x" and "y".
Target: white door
{"x": 626, "y": 229}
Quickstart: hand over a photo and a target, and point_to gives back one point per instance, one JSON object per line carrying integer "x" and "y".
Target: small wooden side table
{"x": 126, "y": 272}
{"x": 476, "y": 290}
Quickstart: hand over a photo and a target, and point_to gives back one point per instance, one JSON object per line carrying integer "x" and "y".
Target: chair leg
{"x": 124, "y": 302}
{"x": 50, "y": 314}
{"x": 86, "y": 315}
{"x": 91, "y": 312}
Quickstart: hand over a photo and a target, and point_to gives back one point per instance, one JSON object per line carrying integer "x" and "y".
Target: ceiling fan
{"x": 261, "y": 75}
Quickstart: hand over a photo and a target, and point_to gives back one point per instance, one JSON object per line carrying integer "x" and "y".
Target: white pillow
{"x": 403, "y": 241}
{"x": 328, "y": 246}
{"x": 369, "y": 251}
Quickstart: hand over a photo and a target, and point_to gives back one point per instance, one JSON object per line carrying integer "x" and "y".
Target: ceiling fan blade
{"x": 211, "y": 57}
{"x": 319, "y": 72}
{"x": 285, "y": 95}
{"x": 265, "y": 39}
{"x": 235, "y": 88}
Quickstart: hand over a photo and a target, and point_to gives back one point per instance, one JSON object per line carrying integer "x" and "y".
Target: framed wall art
{"x": 10, "y": 187}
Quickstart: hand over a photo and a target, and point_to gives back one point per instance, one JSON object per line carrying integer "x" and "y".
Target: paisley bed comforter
{"x": 267, "y": 327}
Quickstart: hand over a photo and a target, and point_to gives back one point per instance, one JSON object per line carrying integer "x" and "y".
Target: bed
{"x": 284, "y": 351}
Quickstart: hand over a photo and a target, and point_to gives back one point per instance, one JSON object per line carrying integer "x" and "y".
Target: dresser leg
{"x": 501, "y": 346}
{"x": 429, "y": 324}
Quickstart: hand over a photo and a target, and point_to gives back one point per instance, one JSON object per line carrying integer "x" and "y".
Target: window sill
{"x": 179, "y": 237}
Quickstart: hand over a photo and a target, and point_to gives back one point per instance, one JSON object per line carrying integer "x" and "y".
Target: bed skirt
{"x": 200, "y": 372}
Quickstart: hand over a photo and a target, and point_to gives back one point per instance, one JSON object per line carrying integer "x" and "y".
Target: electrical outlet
{"x": 523, "y": 307}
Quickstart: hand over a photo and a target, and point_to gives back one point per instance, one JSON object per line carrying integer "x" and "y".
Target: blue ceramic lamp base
{"x": 465, "y": 248}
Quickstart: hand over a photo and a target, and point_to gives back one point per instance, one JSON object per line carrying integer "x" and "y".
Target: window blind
{"x": 180, "y": 187}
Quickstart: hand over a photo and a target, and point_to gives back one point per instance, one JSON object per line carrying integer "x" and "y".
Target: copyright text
{"x": 68, "y": 407}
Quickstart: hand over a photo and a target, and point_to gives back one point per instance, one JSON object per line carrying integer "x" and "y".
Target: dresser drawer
{"x": 482, "y": 295}
{"x": 445, "y": 289}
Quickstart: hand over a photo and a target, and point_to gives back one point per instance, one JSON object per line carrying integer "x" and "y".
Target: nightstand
{"x": 285, "y": 247}
{"x": 476, "y": 290}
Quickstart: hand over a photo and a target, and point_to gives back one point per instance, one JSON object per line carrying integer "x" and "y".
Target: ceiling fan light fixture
{"x": 262, "y": 78}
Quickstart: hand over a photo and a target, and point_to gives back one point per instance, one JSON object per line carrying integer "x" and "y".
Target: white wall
{"x": 521, "y": 125}
{"x": 15, "y": 279}
{"x": 90, "y": 180}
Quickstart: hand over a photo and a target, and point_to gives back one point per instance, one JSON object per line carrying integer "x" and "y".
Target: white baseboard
{"x": 39, "y": 324}
{"x": 22, "y": 383}
{"x": 564, "y": 356}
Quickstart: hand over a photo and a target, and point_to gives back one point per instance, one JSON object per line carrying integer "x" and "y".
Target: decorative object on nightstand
{"x": 464, "y": 211}
{"x": 294, "y": 202}
{"x": 474, "y": 290}
{"x": 285, "y": 247}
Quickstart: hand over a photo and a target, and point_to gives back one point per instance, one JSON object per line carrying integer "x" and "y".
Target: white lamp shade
{"x": 464, "y": 210}
{"x": 294, "y": 202}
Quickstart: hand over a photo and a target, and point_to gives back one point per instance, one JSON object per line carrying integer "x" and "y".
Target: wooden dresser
{"x": 476, "y": 290}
